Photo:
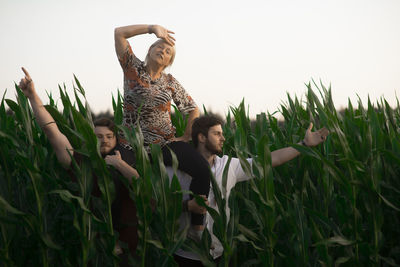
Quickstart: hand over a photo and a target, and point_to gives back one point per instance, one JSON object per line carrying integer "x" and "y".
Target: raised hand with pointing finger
{"x": 58, "y": 140}
{"x": 26, "y": 85}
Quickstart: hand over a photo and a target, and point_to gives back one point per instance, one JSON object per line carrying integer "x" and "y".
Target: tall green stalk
{"x": 335, "y": 204}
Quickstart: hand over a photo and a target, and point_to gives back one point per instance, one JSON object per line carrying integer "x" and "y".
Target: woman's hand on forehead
{"x": 164, "y": 34}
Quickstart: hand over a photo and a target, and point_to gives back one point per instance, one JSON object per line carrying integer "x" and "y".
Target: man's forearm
{"x": 283, "y": 155}
{"x": 126, "y": 170}
{"x": 41, "y": 114}
{"x": 57, "y": 140}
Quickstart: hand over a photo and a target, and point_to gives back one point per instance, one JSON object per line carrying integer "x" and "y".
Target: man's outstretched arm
{"x": 280, "y": 156}
{"x": 59, "y": 141}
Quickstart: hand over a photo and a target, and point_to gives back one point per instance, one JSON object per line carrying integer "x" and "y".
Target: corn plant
{"x": 326, "y": 206}
{"x": 335, "y": 204}
{"x": 45, "y": 214}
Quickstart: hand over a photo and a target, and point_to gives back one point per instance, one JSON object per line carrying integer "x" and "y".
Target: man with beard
{"x": 123, "y": 208}
{"x": 208, "y": 138}
{"x": 104, "y": 130}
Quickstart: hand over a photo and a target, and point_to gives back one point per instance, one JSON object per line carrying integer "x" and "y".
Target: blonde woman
{"x": 148, "y": 93}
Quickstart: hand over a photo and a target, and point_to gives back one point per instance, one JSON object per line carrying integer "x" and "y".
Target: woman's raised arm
{"x": 121, "y": 34}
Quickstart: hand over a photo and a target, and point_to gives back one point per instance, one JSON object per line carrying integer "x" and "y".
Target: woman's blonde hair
{"x": 156, "y": 43}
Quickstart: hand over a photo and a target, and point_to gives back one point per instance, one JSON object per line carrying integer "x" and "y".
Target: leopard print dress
{"x": 148, "y": 103}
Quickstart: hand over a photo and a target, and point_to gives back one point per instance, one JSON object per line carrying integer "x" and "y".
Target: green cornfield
{"x": 337, "y": 204}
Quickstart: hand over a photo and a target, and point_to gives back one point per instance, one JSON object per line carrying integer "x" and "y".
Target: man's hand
{"x": 117, "y": 249}
{"x": 196, "y": 208}
{"x": 26, "y": 85}
{"x": 315, "y": 138}
{"x": 163, "y": 33}
{"x": 113, "y": 160}
{"x": 124, "y": 168}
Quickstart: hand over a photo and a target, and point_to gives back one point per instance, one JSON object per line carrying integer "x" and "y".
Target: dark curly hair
{"x": 105, "y": 122}
{"x": 202, "y": 125}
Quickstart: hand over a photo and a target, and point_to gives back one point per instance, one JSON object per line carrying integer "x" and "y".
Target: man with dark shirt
{"x": 124, "y": 210}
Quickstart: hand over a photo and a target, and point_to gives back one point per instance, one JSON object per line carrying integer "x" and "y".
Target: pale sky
{"x": 226, "y": 50}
